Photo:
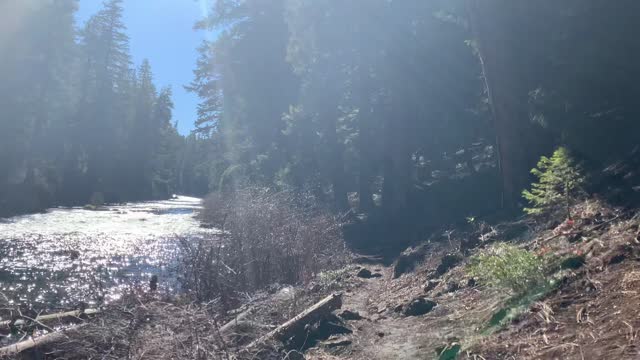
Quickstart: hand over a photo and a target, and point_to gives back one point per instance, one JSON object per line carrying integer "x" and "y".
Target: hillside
{"x": 591, "y": 313}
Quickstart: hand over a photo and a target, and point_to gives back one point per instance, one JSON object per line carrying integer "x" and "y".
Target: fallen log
{"x": 44, "y": 340}
{"x": 63, "y": 317}
{"x": 297, "y": 324}
{"x": 233, "y": 323}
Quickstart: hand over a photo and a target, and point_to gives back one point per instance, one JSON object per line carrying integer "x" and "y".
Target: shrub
{"x": 507, "y": 266}
{"x": 267, "y": 237}
{"x": 559, "y": 182}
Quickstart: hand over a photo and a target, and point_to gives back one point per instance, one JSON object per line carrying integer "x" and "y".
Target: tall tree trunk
{"x": 336, "y": 159}
{"x": 364, "y": 144}
{"x": 491, "y": 24}
{"x": 397, "y": 166}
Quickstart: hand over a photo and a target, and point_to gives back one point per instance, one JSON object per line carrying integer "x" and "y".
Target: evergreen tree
{"x": 144, "y": 132}
{"x": 166, "y": 145}
{"x": 37, "y": 95}
{"x": 102, "y": 109}
{"x": 559, "y": 181}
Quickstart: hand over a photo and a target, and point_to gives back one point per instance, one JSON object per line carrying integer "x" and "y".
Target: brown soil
{"x": 594, "y": 314}
{"x": 387, "y": 334}
{"x": 578, "y": 323}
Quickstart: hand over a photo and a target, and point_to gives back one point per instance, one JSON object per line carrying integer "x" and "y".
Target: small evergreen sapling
{"x": 559, "y": 182}
{"x": 508, "y": 266}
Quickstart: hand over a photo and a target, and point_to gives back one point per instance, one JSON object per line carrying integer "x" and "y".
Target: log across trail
{"x": 297, "y": 323}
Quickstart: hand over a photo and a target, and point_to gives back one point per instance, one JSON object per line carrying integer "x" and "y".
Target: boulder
{"x": 448, "y": 262}
{"x": 408, "y": 260}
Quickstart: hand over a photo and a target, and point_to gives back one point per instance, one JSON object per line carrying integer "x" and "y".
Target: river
{"x": 58, "y": 259}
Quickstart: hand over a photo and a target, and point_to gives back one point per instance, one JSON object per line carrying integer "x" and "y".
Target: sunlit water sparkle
{"x": 60, "y": 258}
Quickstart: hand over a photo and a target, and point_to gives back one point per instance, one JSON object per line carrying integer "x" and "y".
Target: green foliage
{"x": 518, "y": 304}
{"x": 507, "y": 266}
{"x": 559, "y": 181}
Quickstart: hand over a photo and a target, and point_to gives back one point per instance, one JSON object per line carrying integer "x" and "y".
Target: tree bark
{"x": 397, "y": 156}
{"x": 364, "y": 144}
{"x": 492, "y": 28}
{"x": 336, "y": 159}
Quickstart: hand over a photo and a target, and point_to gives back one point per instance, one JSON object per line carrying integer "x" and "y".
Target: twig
{"x": 38, "y": 323}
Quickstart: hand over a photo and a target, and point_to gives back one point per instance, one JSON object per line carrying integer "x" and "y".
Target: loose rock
{"x": 350, "y": 315}
{"x": 419, "y": 306}
{"x": 448, "y": 261}
{"x": 408, "y": 260}
{"x": 366, "y": 274}
{"x": 452, "y": 286}
{"x": 431, "y": 284}
{"x": 573, "y": 262}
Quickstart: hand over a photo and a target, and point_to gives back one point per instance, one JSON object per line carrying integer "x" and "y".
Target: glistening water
{"x": 63, "y": 257}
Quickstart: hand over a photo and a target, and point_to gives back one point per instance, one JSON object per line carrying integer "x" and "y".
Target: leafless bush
{"x": 267, "y": 237}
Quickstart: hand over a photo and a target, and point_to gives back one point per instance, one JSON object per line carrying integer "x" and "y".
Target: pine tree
{"x": 144, "y": 132}
{"x": 559, "y": 181}
{"x": 37, "y": 95}
{"x": 164, "y": 162}
{"x": 106, "y": 89}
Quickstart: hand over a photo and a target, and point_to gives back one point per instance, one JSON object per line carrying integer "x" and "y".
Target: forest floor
{"x": 423, "y": 306}
{"x": 592, "y": 312}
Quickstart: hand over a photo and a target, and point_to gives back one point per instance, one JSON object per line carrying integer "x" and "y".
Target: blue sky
{"x": 162, "y": 31}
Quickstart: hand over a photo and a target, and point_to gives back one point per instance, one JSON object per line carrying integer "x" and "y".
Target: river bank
{"x": 423, "y": 305}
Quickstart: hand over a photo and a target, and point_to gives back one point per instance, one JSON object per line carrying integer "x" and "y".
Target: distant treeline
{"x": 434, "y": 108}
{"x": 79, "y": 123}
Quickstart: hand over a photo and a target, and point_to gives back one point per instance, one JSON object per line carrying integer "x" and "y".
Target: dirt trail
{"x": 379, "y": 335}
{"x": 384, "y": 333}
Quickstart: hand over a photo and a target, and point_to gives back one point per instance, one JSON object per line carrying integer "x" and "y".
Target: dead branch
{"x": 63, "y": 317}
{"x": 297, "y": 323}
{"x": 44, "y": 340}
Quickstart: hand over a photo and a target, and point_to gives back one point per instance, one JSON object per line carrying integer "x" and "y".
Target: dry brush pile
{"x": 266, "y": 238}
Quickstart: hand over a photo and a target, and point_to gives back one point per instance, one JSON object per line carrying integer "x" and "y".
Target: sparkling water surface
{"x": 60, "y": 258}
